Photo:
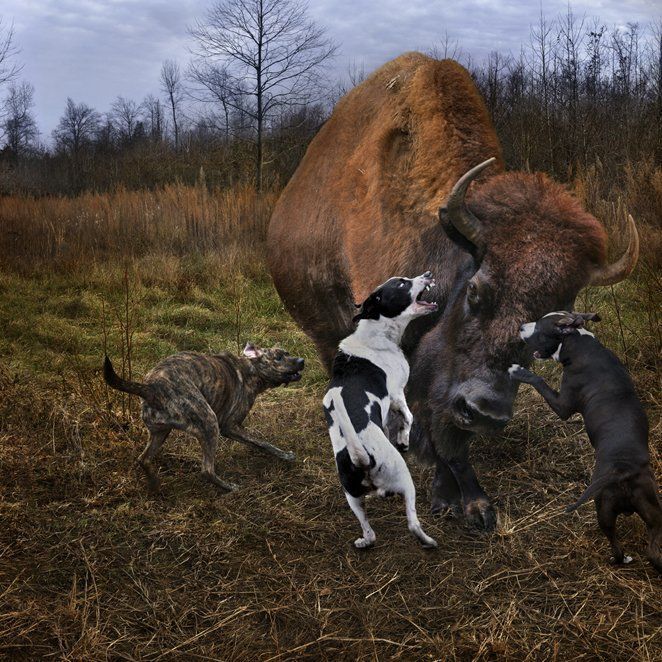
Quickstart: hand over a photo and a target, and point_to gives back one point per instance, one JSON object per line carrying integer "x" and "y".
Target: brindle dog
{"x": 206, "y": 395}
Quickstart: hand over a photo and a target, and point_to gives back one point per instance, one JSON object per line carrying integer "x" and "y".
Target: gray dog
{"x": 206, "y": 395}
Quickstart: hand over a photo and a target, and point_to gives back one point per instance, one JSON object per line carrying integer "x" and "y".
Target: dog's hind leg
{"x": 604, "y": 507}
{"x": 239, "y": 434}
{"x": 203, "y": 424}
{"x": 647, "y": 505}
{"x": 409, "y": 494}
{"x": 157, "y": 437}
{"x": 369, "y": 537}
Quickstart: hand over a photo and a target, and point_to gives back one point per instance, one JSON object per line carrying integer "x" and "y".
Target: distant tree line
{"x": 576, "y": 93}
{"x": 254, "y": 94}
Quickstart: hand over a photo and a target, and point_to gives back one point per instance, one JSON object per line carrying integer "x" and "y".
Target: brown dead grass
{"x": 93, "y": 568}
{"x": 63, "y": 232}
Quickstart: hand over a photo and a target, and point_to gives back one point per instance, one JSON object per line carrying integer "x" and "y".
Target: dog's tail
{"x": 145, "y": 391}
{"x": 599, "y": 484}
{"x": 357, "y": 451}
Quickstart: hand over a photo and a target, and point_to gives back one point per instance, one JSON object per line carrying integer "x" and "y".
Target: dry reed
{"x": 176, "y": 219}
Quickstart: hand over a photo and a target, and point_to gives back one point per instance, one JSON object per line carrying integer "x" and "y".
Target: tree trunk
{"x": 260, "y": 111}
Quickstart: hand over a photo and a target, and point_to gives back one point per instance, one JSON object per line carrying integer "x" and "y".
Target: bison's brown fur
{"x": 370, "y": 184}
{"x": 363, "y": 206}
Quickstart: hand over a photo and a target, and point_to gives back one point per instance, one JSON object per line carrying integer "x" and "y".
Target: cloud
{"x": 95, "y": 50}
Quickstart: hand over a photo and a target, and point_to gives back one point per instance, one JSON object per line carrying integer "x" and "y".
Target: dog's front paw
{"x": 288, "y": 456}
{"x": 520, "y": 374}
{"x": 363, "y": 543}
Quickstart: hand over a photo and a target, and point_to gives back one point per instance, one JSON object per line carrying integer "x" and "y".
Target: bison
{"x": 407, "y": 175}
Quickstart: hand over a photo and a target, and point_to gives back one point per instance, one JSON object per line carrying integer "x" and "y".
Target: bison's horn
{"x": 621, "y": 269}
{"x": 455, "y": 210}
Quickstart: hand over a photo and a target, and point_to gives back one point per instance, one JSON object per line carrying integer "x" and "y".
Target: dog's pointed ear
{"x": 369, "y": 309}
{"x": 572, "y": 321}
{"x": 589, "y": 317}
{"x": 569, "y": 319}
{"x": 251, "y": 351}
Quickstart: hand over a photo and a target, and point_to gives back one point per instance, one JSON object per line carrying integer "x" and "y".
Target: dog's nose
{"x": 300, "y": 364}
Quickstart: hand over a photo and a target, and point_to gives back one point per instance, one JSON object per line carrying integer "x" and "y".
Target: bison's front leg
{"x": 445, "y": 493}
{"x": 455, "y": 487}
{"x": 477, "y": 507}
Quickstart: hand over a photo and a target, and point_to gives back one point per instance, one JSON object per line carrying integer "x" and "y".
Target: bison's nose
{"x": 300, "y": 364}
{"x": 482, "y": 412}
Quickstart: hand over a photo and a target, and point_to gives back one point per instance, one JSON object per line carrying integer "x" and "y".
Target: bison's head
{"x": 531, "y": 248}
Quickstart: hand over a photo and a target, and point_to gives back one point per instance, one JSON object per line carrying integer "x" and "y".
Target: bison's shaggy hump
{"x": 383, "y": 164}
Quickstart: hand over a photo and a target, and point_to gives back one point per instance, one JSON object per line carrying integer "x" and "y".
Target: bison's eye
{"x": 473, "y": 296}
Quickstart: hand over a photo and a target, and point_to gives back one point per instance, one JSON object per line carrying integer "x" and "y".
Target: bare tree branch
{"x": 255, "y": 56}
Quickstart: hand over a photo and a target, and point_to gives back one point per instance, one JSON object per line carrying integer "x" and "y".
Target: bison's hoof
{"x": 440, "y": 506}
{"x": 480, "y": 514}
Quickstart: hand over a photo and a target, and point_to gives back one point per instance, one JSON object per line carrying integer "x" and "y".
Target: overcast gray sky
{"x": 95, "y": 50}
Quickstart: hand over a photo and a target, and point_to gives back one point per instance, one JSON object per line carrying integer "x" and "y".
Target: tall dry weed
{"x": 63, "y": 233}
{"x": 631, "y": 310}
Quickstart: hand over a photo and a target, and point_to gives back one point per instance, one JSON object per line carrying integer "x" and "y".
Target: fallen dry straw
{"x": 93, "y": 568}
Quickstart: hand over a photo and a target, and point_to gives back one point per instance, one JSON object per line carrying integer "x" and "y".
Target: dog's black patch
{"x": 329, "y": 420}
{"x": 376, "y": 414}
{"x": 389, "y": 300}
{"x": 351, "y": 476}
{"x": 357, "y": 377}
{"x": 327, "y": 414}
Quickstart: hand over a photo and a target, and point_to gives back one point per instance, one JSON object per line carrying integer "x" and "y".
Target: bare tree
{"x": 171, "y": 84}
{"x": 446, "y": 48}
{"x": 217, "y": 86}
{"x": 272, "y": 54}
{"x": 76, "y": 127}
{"x": 20, "y": 128}
{"x": 153, "y": 110}
{"x": 8, "y": 69}
{"x": 354, "y": 76}
{"x": 74, "y": 132}
{"x": 126, "y": 115}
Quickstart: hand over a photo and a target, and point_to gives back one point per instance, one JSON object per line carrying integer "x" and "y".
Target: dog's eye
{"x": 401, "y": 285}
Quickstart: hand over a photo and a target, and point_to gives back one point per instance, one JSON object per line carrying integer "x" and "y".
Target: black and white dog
{"x": 597, "y": 385}
{"x": 369, "y": 375}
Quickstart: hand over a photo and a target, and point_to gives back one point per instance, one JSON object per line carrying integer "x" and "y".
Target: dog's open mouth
{"x": 291, "y": 377}
{"x": 425, "y": 306}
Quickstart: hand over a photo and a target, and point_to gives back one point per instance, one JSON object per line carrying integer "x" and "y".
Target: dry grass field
{"x": 92, "y": 567}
